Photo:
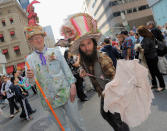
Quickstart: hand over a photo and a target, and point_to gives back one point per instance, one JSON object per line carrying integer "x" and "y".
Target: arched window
{"x": 3, "y": 23}
{"x": 12, "y": 34}
{"x": 11, "y": 20}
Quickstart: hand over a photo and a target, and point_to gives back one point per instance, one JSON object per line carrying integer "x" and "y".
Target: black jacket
{"x": 158, "y": 34}
{"x": 112, "y": 52}
{"x": 148, "y": 44}
{"x": 18, "y": 91}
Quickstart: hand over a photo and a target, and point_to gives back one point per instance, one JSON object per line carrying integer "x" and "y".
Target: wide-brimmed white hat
{"x": 80, "y": 27}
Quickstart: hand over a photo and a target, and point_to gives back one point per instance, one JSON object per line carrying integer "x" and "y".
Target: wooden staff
{"x": 47, "y": 101}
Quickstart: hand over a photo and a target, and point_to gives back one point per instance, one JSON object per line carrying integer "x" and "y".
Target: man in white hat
{"x": 49, "y": 67}
{"x": 85, "y": 36}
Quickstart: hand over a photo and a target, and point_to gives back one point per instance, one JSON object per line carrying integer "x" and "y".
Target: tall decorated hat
{"x": 79, "y": 27}
{"x": 33, "y": 28}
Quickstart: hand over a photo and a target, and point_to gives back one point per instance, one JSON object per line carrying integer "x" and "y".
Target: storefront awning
{"x": 11, "y": 19}
{"x": 1, "y": 35}
{"x": 12, "y": 32}
{"x": 16, "y": 48}
{"x": 9, "y": 69}
{"x": 5, "y": 51}
{"x": 3, "y": 20}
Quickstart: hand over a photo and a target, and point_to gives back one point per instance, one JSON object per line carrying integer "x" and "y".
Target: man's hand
{"x": 30, "y": 74}
{"x": 72, "y": 92}
{"x": 4, "y": 93}
{"x": 82, "y": 73}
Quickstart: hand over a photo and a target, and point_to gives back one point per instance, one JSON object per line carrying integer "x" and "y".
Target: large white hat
{"x": 79, "y": 27}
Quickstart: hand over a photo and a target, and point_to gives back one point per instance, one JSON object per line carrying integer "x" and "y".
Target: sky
{"x": 53, "y": 12}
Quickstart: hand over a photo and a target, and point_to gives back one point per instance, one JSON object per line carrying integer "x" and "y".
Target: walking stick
{"x": 47, "y": 101}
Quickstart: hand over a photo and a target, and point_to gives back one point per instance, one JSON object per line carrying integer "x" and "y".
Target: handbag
{"x": 161, "y": 47}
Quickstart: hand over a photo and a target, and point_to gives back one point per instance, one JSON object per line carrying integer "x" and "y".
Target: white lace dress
{"x": 129, "y": 93}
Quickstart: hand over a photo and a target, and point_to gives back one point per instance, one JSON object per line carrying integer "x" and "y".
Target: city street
{"x": 57, "y": 43}
{"x": 90, "y": 112}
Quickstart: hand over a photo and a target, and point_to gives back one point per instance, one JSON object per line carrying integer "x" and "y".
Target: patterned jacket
{"x": 55, "y": 77}
{"x": 107, "y": 67}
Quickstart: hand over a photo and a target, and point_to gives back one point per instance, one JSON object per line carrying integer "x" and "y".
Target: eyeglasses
{"x": 37, "y": 38}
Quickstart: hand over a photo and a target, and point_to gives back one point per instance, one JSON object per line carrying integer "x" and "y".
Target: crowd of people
{"x": 13, "y": 89}
{"x": 62, "y": 78}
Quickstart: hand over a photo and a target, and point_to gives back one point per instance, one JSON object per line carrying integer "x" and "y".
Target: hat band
{"x": 76, "y": 27}
{"x": 86, "y": 24}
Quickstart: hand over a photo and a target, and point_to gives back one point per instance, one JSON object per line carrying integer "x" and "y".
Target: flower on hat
{"x": 29, "y": 29}
{"x": 68, "y": 32}
{"x": 82, "y": 26}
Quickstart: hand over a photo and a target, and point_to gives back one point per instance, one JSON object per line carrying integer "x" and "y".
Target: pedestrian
{"x": 21, "y": 96}
{"x": 74, "y": 66}
{"x": 114, "y": 43}
{"x": 155, "y": 31}
{"x": 111, "y": 51}
{"x": 6, "y": 91}
{"x": 150, "y": 53}
{"x": 50, "y": 68}
{"x": 132, "y": 36}
{"x": 128, "y": 51}
{"x": 95, "y": 64}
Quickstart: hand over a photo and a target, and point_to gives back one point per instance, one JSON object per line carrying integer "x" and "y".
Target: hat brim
{"x": 41, "y": 33}
{"x": 74, "y": 48}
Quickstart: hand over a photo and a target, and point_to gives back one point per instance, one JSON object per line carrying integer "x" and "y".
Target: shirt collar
{"x": 41, "y": 52}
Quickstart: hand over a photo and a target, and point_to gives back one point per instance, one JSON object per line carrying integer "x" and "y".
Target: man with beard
{"x": 98, "y": 66}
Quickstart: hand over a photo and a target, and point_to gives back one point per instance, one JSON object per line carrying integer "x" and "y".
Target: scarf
{"x": 41, "y": 56}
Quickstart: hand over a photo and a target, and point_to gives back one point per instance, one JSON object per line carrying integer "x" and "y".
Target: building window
{"x": 17, "y": 50}
{"x": 3, "y": 23}
{"x": 113, "y": 3}
{"x": 129, "y": 11}
{"x": 143, "y": 7}
{"x": 12, "y": 34}
{"x": 5, "y": 52}
{"x": 123, "y": 12}
{"x": 1, "y": 38}
{"x": 116, "y": 14}
{"x": 9, "y": 11}
{"x": 134, "y": 10}
{"x": 11, "y": 21}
